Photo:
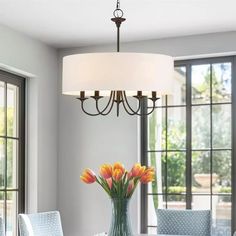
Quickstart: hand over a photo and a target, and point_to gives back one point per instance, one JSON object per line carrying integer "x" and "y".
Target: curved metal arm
{"x": 111, "y": 101}
{"x": 87, "y": 113}
{"x": 126, "y": 102}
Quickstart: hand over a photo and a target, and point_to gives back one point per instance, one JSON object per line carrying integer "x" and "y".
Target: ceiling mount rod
{"x": 118, "y": 19}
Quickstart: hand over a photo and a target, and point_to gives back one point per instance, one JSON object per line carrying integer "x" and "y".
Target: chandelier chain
{"x": 118, "y": 4}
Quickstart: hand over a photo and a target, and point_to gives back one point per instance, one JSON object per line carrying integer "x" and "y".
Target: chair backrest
{"x": 40, "y": 224}
{"x": 184, "y": 222}
{"x": 2, "y": 232}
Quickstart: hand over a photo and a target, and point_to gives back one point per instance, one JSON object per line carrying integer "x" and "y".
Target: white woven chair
{"x": 2, "y": 232}
{"x": 40, "y": 224}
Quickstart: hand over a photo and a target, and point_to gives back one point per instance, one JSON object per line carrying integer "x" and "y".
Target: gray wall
{"x": 36, "y": 61}
{"x": 88, "y": 142}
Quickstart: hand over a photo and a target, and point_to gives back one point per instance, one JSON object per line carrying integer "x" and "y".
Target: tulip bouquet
{"x": 117, "y": 181}
{"x": 119, "y": 184}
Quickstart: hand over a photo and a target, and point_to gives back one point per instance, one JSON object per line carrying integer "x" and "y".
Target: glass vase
{"x": 120, "y": 222}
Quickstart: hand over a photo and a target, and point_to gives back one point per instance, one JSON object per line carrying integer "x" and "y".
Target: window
{"x": 188, "y": 139}
{"x": 12, "y": 129}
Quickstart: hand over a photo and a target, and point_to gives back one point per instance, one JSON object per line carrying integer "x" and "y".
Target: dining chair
{"x": 184, "y": 222}
{"x": 2, "y": 233}
{"x": 40, "y": 224}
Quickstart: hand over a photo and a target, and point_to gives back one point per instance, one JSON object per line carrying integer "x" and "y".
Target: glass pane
{"x": 221, "y": 214}
{"x": 12, "y": 110}
{"x": 2, "y": 110}
{"x": 152, "y": 230}
{"x": 12, "y": 213}
{"x": 177, "y": 202}
{"x": 221, "y": 119}
{"x": 201, "y": 84}
{"x": 221, "y": 167}
{"x": 201, "y": 177}
{"x": 157, "y": 160}
{"x": 157, "y": 130}
{"x": 154, "y": 202}
{"x": 176, "y": 128}
{"x": 176, "y": 165}
{"x": 2, "y": 162}
{"x": 200, "y": 127}
{"x": 2, "y": 197}
{"x": 178, "y": 96}
{"x": 221, "y": 82}
{"x": 201, "y": 202}
{"x": 12, "y": 151}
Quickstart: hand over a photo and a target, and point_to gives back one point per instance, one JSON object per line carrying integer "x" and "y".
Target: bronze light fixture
{"x": 117, "y": 76}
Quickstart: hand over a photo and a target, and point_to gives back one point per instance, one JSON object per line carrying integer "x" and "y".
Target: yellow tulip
{"x": 119, "y": 166}
{"x": 106, "y": 171}
{"x": 117, "y": 174}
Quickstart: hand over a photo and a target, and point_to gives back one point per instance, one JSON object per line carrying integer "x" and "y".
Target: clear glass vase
{"x": 120, "y": 222}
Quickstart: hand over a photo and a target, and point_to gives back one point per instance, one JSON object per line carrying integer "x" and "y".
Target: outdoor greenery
{"x": 10, "y": 117}
{"x": 176, "y": 136}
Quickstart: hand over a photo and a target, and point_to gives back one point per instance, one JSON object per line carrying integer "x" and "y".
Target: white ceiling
{"x": 70, "y": 23}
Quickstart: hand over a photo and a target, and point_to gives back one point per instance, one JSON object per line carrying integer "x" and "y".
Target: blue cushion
{"x": 184, "y": 222}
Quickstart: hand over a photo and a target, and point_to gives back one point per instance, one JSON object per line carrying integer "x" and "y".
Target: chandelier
{"x": 116, "y": 76}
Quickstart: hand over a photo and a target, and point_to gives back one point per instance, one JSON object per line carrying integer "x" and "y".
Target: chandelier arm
{"x": 110, "y": 103}
{"x": 126, "y": 109}
{"x": 127, "y": 102}
{"x": 148, "y": 113}
{"x": 105, "y": 106}
{"x": 126, "y": 106}
{"x": 87, "y": 113}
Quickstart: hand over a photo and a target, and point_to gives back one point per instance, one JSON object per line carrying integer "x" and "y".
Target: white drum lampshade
{"x": 106, "y": 72}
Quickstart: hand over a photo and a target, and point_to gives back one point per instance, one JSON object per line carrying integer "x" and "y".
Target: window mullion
{"x": 166, "y": 153}
{"x": 233, "y": 225}
{"x": 211, "y": 133}
{"x": 188, "y": 137}
{"x": 144, "y": 161}
{"x": 5, "y": 150}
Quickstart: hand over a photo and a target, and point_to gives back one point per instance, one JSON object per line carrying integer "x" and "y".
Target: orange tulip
{"x": 117, "y": 174}
{"x": 88, "y": 176}
{"x": 106, "y": 171}
{"x": 148, "y": 176}
{"x": 119, "y": 166}
{"x": 130, "y": 187}
{"x": 109, "y": 182}
{"x": 138, "y": 170}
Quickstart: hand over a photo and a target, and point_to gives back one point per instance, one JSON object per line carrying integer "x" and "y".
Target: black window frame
{"x": 20, "y": 82}
{"x": 144, "y": 137}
